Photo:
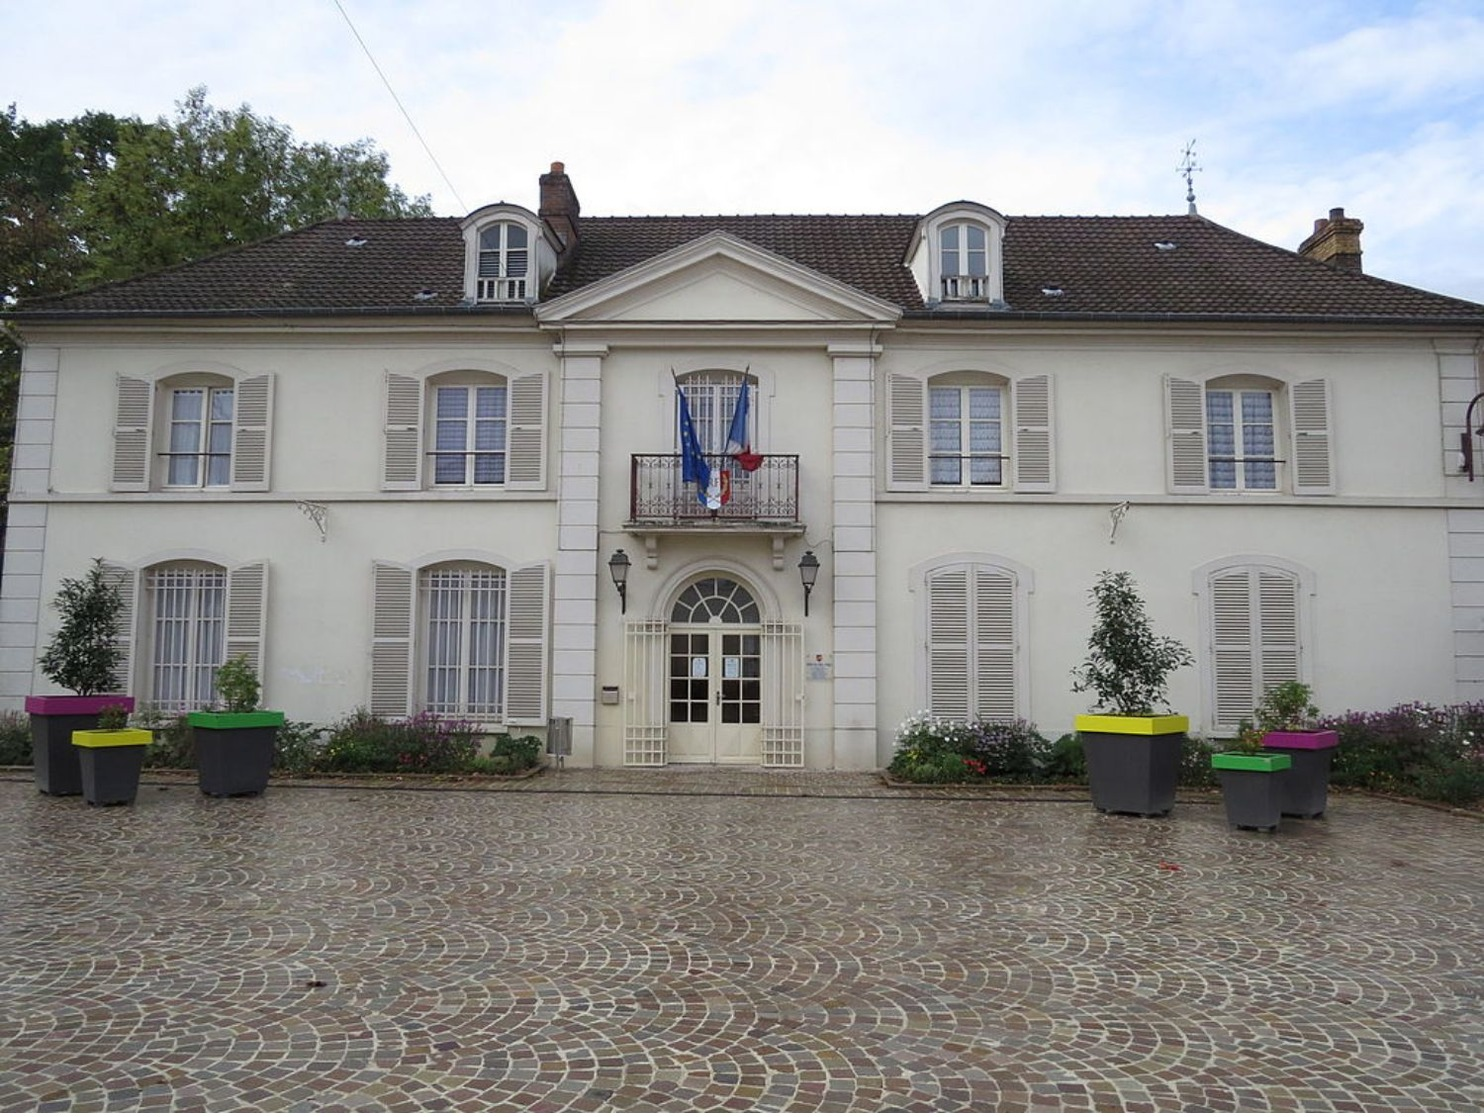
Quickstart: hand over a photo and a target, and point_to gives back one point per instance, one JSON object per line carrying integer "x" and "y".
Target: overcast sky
{"x": 827, "y": 106}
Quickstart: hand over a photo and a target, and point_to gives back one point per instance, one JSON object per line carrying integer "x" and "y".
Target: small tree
{"x": 84, "y": 654}
{"x": 237, "y": 685}
{"x": 1127, "y": 664}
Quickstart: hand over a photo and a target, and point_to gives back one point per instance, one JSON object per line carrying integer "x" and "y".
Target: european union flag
{"x": 693, "y": 467}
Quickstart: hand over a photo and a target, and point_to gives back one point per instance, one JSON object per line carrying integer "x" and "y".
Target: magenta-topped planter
{"x": 54, "y": 718}
{"x": 1305, "y": 791}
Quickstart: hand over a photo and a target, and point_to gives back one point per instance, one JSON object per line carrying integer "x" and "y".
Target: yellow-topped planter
{"x": 110, "y": 738}
{"x": 110, "y": 760}
{"x": 1129, "y": 723}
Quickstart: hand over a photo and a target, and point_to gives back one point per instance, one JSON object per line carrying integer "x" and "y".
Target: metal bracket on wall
{"x": 318, "y": 513}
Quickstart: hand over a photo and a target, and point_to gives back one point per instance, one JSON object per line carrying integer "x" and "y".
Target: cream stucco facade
{"x": 1384, "y": 556}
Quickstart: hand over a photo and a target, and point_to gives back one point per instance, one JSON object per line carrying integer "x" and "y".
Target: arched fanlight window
{"x": 715, "y": 599}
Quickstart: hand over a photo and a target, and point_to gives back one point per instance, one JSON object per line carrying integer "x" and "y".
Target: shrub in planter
{"x": 84, "y": 657}
{"x": 234, "y": 748}
{"x": 1133, "y": 753}
{"x": 1285, "y": 724}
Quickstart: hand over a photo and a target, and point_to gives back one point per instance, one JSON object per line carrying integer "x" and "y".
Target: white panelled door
{"x": 714, "y": 680}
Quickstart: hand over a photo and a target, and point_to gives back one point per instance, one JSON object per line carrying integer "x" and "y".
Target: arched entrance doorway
{"x": 715, "y": 674}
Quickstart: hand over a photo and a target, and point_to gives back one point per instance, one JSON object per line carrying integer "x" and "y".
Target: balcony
{"x": 764, "y": 501}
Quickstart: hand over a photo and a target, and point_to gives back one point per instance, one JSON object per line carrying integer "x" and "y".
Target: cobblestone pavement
{"x": 742, "y": 941}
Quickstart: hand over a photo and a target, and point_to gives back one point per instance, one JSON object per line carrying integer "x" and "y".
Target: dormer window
{"x": 956, "y": 257}
{"x": 964, "y": 255}
{"x": 504, "y": 263}
{"x": 508, "y": 255}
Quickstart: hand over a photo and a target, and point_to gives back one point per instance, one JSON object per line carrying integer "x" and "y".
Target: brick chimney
{"x": 559, "y": 206}
{"x": 1335, "y": 241}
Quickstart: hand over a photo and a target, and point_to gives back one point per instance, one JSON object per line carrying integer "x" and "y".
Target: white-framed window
{"x": 200, "y": 449}
{"x": 504, "y": 263}
{"x": 469, "y": 434}
{"x": 966, "y": 439}
{"x": 969, "y": 431}
{"x": 972, "y": 616}
{"x": 464, "y": 429}
{"x": 1241, "y": 440}
{"x": 964, "y": 258}
{"x": 463, "y": 637}
{"x": 1248, "y": 434}
{"x": 463, "y": 610}
{"x": 188, "y": 634}
{"x": 1255, "y": 613}
{"x": 712, "y": 399}
{"x": 183, "y": 618}
{"x": 193, "y": 431}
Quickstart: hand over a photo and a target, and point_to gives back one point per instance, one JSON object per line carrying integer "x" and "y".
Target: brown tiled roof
{"x": 1102, "y": 267}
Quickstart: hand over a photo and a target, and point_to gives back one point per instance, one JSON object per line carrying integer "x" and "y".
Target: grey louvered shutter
{"x": 994, "y": 651}
{"x": 402, "y": 460}
{"x": 1232, "y": 651}
{"x": 126, "y": 580}
{"x": 392, "y": 643}
{"x": 948, "y": 644}
{"x": 906, "y": 439}
{"x": 1035, "y": 467}
{"x": 1185, "y": 416}
{"x": 134, "y": 411}
{"x": 1313, "y": 471}
{"x": 526, "y": 646}
{"x": 247, "y": 613}
{"x": 525, "y": 466}
{"x": 252, "y": 417}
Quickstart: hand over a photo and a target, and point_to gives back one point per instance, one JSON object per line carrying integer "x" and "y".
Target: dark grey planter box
{"x": 54, "y": 718}
{"x": 1306, "y": 783}
{"x": 234, "y": 752}
{"x": 110, "y": 761}
{"x": 1133, "y": 771}
{"x": 1252, "y": 788}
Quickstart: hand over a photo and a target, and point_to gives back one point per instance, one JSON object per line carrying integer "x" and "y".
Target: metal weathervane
{"x": 1188, "y": 168}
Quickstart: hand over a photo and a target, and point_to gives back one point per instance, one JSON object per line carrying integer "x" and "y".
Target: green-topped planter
{"x": 1306, "y": 786}
{"x": 1133, "y": 763}
{"x": 109, "y": 761}
{"x": 234, "y": 752}
{"x": 1252, "y": 787}
{"x": 54, "y": 718}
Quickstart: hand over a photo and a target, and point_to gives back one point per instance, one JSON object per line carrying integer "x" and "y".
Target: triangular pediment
{"x": 718, "y": 278}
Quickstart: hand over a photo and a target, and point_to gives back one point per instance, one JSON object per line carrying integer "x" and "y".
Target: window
{"x": 963, "y": 255}
{"x": 200, "y": 453}
{"x": 969, "y": 431}
{"x": 712, "y": 399}
{"x": 1248, "y": 434}
{"x": 482, "y": 430}
{"x": 1239, "y": 439}
{"x": 464, "y": 644}
{"x": 1253, "y": 615}
{"x": 192, "y": 431}
{"x": 967, "y": 435}
{"x": 188, "y": 607}
{"x": 469, "y": 435}
{"x": 504, "y": 263}
{"x": 465, "y": 638}
{"x": 972, "y": 620}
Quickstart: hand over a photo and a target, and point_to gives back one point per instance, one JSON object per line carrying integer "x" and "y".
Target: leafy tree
{"x": 84, "y": 654}
{"x": 1127, "y": 664}
{"x": 217, "y": 178}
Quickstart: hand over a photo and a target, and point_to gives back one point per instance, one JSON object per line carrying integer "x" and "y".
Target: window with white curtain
{"x": 200, "y": 453}
{"x": 966, "y": 434}
{"x": 504, "y": 262}
{"x": 1240, "y": 439}
{"x": 464, "y": 616}
{"x": 188, "y": 609}
{"x": 469, "y": 434}
{"x": 963, "y": 257}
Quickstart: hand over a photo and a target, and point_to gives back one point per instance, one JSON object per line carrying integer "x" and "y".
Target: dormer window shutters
{"x": 504, "y": 263}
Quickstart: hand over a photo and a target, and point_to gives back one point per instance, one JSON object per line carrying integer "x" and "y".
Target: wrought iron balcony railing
{"x": 767, "y": 495}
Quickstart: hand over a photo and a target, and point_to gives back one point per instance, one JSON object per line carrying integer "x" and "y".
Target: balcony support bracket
{"x": 652, "y": 552}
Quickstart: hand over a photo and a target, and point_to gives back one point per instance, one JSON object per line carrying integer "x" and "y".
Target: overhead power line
{"x": 406, "y": 115}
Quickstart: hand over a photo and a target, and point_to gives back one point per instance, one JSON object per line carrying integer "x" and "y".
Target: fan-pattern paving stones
{"x": 817, "y": 943}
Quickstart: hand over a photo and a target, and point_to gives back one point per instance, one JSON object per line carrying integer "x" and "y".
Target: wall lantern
{"x": 618, "y": 566}
{"x": 808, "y": 575}
{"x": 1467, "y": 438}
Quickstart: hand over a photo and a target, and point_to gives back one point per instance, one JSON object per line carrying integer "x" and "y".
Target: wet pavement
{"x": 730, "y": 940}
